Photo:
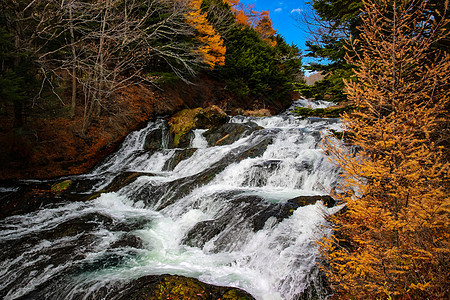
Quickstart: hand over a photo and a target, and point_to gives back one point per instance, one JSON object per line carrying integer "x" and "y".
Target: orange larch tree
{"x": 211, "y": 48}
{"x": 265, "y": 29}
{"x": 392, "y": 241}
{"x": 240, "y": 11}
{"x": 260, "y": 21}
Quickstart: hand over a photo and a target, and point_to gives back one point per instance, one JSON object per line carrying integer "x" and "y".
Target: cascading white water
{"x": 199, "y": 141}
{"x": 214, "y": 216}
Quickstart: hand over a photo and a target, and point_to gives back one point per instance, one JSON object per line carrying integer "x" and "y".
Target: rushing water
{"x": 220, "y": 215}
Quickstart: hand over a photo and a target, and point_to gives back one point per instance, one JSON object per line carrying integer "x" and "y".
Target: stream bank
{"x": 50, "y": 145}
{"x": 243, "y": 212}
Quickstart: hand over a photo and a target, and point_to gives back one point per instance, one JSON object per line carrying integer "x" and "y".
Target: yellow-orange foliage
{"x": 393, "y": 240}
{"x": 239, "y": 10}
{"x": 265, "y": 29}
{"x": 260, "y": 21}
{"x": 212, "y": 48}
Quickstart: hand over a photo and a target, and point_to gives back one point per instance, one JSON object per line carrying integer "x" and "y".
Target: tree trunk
{"x": 74, "y": 69}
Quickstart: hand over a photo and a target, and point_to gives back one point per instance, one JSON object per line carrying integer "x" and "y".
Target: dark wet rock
{"x": 279, "y": 211}
{"x": 318, "y": 288}
{"x": 257, "y": 150}
{"x": 177, "y": 287}
{"x": 261, "y": 172}
{"x": 81, "y": 185}
{"x": 185, "y": 139}
{"x": 328, "y": 201}
{"x": 27, "y": 198}
{"x": 244, "y": 211}
{"x": 72, "y": 227}
{"x": 131, "y": 224}
{"x": 241, "y": 211}
{"x": 128, "y": 241}
{"x": 203, "y": 232}
{"x": 155, "y": 139}
{"x": 284, "y": 210}
{"x": 153, "y": 194}
{"x": 180, "y": 155}
{"x": 229, "y": 133}
{"x": 271, "y": 164}
{"x": 304, "y": 165}
{"x": 123, "y": 179}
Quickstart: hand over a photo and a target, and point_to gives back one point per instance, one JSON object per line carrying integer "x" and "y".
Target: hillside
{"x": 50, "y": 144}
{"x": 74, "y": 84}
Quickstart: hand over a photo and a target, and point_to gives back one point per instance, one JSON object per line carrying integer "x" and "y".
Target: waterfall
{"x": 225, "y": 215}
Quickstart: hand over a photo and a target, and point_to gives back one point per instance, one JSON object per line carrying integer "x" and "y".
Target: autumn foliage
{"x": 77, "y": 75}
{"x": 211, "y": 48}
{"x": 246, "y": 15}
{"x": 392, "y": 241}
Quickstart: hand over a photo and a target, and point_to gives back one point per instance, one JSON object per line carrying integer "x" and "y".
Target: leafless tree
{"x": 104, "y": 45}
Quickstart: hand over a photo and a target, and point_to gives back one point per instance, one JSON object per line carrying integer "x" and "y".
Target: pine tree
{"x": 393, "y": 239}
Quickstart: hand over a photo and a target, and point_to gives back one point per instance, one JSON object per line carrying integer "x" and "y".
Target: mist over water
{"x": 221, "y": 215}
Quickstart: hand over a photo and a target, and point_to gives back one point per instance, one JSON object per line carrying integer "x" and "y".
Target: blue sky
{"x": 283, "y": 14}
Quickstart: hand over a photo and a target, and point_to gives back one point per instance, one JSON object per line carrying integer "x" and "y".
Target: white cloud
{"x": 296, "y": 10}
{"x": 278, "y": 9}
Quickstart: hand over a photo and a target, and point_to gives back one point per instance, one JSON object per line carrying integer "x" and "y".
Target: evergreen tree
{"x": 337, "y": 21}
{"x": 256, "y": 69}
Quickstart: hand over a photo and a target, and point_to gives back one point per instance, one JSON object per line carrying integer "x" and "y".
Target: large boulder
{"x": 155, "y": 287}
{"x": 250, "y": 212}
{"x": 181, "y": 124}
{"x": 211, "y": 117}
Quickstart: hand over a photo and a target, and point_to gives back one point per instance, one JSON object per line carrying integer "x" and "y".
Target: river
{"x": 221, "y": 214}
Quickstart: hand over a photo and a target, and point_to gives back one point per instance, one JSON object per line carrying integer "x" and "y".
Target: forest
{"x": 77, "y": 65}
{"x": 74, "y": 64}
{"x": 98, "y": 47}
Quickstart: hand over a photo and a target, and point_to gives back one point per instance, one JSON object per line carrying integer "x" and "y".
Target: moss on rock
{"x": 184, "y": 121}
{"x": 61, "y": 186}
{"x": 211, "y": 117}
{"x": 179, "y": 287}
{"x": 181, "y": 123}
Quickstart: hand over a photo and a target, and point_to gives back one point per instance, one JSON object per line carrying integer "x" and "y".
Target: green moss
{"x": 337, "y": 134}
{"x": 180, "y": 288}
{"x": 236, "y": 294}
{"x": 95, "y": 195}
{"x": 182, "y": 122}
{"x": 177, "y": 137}
{"x": 332, "y": 112}
{"x": 59, "y": 187}
{"x": 156, "y": 287}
